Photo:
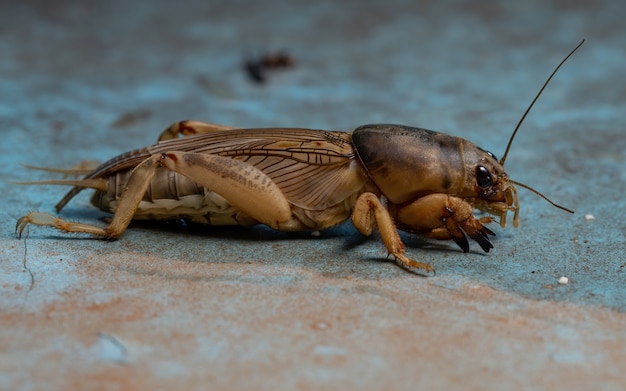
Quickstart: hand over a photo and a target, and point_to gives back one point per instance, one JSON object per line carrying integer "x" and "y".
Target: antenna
{"x": 506, "y": 151}
{"x": 541, "y": 195}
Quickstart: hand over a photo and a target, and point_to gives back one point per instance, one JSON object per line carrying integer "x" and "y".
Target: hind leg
{"x": 244, "y": 186}
{"x": 129, "y": 202}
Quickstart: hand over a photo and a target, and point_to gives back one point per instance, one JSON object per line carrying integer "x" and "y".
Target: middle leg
{"x": 370, "y": 212}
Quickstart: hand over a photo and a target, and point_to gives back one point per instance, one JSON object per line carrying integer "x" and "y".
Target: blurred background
{"x": 179, "y": 308}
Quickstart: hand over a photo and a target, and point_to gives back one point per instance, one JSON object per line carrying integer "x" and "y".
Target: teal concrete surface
{"x": 87, "y": 81}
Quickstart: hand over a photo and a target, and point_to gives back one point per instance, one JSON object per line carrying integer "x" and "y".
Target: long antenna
{"x": 506, "y": 152}
{"x": 542, "y": 196}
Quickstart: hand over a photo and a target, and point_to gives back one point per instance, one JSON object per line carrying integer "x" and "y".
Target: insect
{"x": 392, "y": 177}
{"x": 257, "y": 68}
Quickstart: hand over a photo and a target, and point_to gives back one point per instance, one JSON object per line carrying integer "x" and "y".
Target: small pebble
{"x": 589, "y": 216}
{"x": 320, "y": 326}
{"x": 563, "y": 280}
{"x": 315, "y": 233}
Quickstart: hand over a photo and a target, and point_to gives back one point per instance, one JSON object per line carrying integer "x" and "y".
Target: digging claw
{"x": 462, "y": 242}
{"x": 474, "y": 228}
{"x": 483, "y": 240}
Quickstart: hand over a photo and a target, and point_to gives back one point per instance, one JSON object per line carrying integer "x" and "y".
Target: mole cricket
{"x": 392, "y": 177}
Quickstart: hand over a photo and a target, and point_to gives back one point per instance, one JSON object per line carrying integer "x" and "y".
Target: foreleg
{"x": 442, "y": 216}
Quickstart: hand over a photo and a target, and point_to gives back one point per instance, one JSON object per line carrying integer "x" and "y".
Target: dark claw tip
{"x": 462, "y": 242}
{"x": 483, "y": 241}
{"x": 488, "y": 231}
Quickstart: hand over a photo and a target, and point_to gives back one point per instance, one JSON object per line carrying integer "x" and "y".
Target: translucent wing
{"x": 315, "y": 169}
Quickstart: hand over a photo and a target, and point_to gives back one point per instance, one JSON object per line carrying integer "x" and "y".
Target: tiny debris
{"x": 320, "y": 326}
{"x": 563, "y": 280}
{"x": 256, "y": 68}
{"x": 589, "y": 217}
{"x": 255, "y": 71}
{"x": 315, "y": 233}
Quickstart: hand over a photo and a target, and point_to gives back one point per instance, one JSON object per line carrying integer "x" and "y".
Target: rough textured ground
{"x": 170, "y": 307}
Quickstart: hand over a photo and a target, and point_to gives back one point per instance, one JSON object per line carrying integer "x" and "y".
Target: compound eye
{"x": 483, "y": 177}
